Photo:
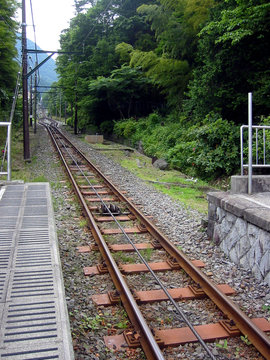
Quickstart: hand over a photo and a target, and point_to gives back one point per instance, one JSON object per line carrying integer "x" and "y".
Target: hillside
{"x": 47, "y": 71}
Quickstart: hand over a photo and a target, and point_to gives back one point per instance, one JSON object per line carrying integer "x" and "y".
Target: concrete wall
{"x": 94, "y": 139}
{"x": 241, "y": 229}
{"x": 260, "y": 183}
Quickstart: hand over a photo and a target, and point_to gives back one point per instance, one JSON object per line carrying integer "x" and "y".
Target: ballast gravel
{"x": 89, "y": 323}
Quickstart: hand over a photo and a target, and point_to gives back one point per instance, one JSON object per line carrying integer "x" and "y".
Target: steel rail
{"x": 170, "y": 298}
{"x": 147, "y": 339}
{"x": 257, "y": 337}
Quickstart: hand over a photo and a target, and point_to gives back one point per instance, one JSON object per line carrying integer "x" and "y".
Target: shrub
{"x": 70, "y": 122}
{"x": 208, "y": 150}
{"x": 106, "y": 127}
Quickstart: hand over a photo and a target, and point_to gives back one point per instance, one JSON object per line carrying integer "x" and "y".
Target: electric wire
{"x": 177, "y": 308}
{"x": 106, "y": 8}
{"x": 34, "y": 30}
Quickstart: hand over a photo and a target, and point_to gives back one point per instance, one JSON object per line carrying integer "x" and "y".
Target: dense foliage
{"x": 173, "y": 74}
{"x": 8, "y": 64}
{"x": 205, "y": 151}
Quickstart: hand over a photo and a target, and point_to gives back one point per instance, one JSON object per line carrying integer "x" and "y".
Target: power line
{"x": 34, "y": 29}
{"x": 107, "y": 7}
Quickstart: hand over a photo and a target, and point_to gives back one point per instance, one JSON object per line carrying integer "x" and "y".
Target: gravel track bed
{"x": 183, "y": 226}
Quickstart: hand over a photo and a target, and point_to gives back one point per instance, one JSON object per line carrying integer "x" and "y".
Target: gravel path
{"x": 183, "y": 226}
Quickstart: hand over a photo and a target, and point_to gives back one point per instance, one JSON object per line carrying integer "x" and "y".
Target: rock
{"x": 138, "y": 163}
{"x": 140, "y": 147}
{"x": 160, "y": 164}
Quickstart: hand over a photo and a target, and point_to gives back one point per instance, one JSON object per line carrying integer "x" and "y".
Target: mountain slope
{"x": 47, "y": 73}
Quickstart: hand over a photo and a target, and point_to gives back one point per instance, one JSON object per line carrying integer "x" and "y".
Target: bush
{"x": 70, "y": 122}
{"x": 106, "y": 127}
{"x": 208, "y": 150}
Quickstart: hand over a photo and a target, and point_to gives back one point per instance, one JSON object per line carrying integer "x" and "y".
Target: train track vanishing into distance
{"x": 118, "y": 225}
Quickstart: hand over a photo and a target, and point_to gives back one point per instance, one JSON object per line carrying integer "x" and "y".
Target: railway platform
{"x": 33, "y": 314}
{"x": 240, "y": 224}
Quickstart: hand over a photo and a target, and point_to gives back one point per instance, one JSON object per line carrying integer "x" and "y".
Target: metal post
{"x": 249, "y": 143}
{"x": 76, "y": 115}
{"x": 76, "y": 108}
{"x": 35, "y": 103}
{"x": 241, "y": 151}
{"x": 65, "y": 112}
{"x": 25, "y": 87}
{"x": 9, "y": 153}
{"x": 31, "y": 102}
{"x": 60, "y": 105}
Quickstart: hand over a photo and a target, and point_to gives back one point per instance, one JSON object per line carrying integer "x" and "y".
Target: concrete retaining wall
{"x": 241, "y": 228}
{"x": 94, "y": 139}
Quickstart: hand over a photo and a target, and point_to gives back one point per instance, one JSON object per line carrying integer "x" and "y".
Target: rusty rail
{"x": 148, "y": 341}
{"x": 257, "y": 337}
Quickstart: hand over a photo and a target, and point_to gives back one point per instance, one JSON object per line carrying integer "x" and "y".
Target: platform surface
{"x": 252, "y": 208}
{"x": 33, "y": 314}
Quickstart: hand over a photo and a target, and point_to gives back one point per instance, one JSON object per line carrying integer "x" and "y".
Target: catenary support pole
{"x": 26, "y": 144}
{"x": 31, "y": 102}
{"x": 35, "y": 103}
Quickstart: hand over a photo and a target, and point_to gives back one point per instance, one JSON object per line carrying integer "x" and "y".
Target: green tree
{"x": 176, "y": 24}
{"x": 126, "y": 93}
{"x": 233, "y": 59}
{"x": 8, "y": 64}
{"x": 94, "y": 34}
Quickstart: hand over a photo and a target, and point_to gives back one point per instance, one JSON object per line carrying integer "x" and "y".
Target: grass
{"x": 146, "y": 254}
{"x": 122, "y": 257}
{"x": 190, "y": 192}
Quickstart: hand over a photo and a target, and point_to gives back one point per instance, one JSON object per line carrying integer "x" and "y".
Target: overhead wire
{"x": 106, "y": 8}
{"x": 35, "y": 39}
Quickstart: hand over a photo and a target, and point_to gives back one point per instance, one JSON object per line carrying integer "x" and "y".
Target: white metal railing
{"x": 261, "y": 161}
{"x": 259, "y": 157}
{"x": 7, "y": 151}
{"x": 7, "y": 148}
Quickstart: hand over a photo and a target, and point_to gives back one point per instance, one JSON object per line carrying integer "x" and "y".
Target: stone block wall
{"x": 235, "y": 225}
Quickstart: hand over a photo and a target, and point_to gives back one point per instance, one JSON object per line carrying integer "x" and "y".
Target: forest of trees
{"x": 172, "y": 74}
{"x": 9, "y": 66}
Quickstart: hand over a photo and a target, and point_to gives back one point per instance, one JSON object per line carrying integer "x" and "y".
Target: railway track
{"x": 119, "y": 227}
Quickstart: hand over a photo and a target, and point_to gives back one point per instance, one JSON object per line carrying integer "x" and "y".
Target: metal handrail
{"x": 7, "y": 149}
{"x": 256, "y": 164}
{"x": 250, "y": 165}
{"x": 8, "y": 140}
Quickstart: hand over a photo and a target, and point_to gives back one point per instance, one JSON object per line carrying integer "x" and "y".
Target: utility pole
{"x": 31, "y": 101}
{"x": 76, "y": 112}
{"x": 60, "y": 105}
{"x": 26, "y": 145}
{"x": 35, "y": 103}
{"x": 65, "y": 112}
{"x": 76, "y": 105}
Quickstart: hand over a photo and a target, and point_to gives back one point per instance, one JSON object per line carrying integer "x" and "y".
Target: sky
{"x": 50, "y": 17}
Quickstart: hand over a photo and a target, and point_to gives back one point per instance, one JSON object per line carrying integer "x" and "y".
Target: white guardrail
{"x": 7, "y": 150}
{"x": 261, "y": 161}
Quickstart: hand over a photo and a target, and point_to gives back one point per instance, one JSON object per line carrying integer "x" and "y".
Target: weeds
{"x": 121, "y": 256}
{"x": 223, "y": 344}
{"x": 83, "y": 223}
{"x": 147, "y": 253}
{"x": 266, "y": 308}
{"x": 245, "y": 340}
